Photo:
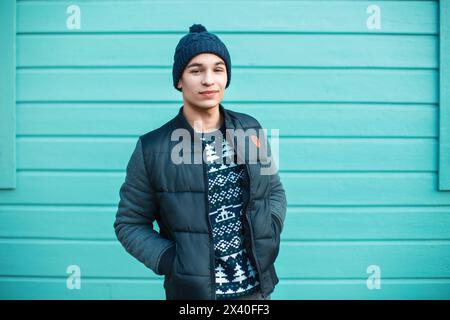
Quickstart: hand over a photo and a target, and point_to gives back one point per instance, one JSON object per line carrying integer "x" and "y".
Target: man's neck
{"x": 203, "y": 119}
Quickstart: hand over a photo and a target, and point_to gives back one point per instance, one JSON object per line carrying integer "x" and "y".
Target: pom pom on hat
{"x": 197, "y": 28}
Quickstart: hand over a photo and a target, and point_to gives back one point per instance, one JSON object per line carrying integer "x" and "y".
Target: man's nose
{"x": 208, "y": 78}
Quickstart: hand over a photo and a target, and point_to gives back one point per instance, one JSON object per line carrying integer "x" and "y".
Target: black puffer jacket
{"x": 175, "y": 196}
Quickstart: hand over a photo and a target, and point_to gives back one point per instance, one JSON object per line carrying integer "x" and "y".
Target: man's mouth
{"x": 209, "y": 93}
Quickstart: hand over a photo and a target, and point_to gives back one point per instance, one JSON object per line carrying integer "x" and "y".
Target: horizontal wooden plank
{"x": 350, "y": 259}
{"x": 396, "y": 259}
{"x": 300, "y": 154}
{"x": 371, "y": 188}
{"x": 267, "y": 16}
{"x": 371, "y": 223}
{"x": 403, "y": 289}
{"x": 297, "y": 50}
{"x": 97, "y": 289}
{"x": 58, "y": 222}
{"x": 280, "y": 85}
{"x": 298, "y": 119}
{"x": 302, "y": 188}
{"x": 302, "y": 223}
{"x": 124, "y": 289}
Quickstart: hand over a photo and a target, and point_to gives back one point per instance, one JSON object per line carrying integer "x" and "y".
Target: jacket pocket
{"x": 168, "y": 276}
{"x": 275, "y": 244}
{"x": 172, "y": 269}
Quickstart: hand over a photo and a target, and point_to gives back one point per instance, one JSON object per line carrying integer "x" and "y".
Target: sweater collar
{"x": 182, "y": 122}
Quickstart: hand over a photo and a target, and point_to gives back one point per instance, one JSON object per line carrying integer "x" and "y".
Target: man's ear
{"x": 179, "y": 85}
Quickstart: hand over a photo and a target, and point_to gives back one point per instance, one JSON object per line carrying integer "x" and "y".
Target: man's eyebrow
{"x": 196, "y": 64}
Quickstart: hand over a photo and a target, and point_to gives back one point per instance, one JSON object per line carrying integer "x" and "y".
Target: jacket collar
{"x": 231, "y": 122}
{"x": 182, "y": 122}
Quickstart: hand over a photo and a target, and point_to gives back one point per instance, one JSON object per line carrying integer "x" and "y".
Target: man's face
{"x": 205, "y": 72}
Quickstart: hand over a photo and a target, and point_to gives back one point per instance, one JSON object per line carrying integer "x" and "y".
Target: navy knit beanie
{"x": 198, "y": 41}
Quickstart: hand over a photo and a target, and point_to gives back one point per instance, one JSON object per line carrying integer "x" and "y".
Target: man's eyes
{"x": 195, "y": 71}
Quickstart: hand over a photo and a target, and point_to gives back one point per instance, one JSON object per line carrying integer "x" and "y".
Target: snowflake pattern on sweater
{"x": 235, "y": 273}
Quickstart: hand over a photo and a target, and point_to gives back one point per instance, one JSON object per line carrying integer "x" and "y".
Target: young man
{"x": 219, "y": 219}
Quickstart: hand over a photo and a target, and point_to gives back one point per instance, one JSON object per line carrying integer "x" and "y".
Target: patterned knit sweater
{"x": 235, "y": 273}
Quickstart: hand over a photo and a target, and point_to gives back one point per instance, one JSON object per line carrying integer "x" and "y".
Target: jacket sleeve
{"x": 278, "y": 202}
{"x": 136, "y": 213}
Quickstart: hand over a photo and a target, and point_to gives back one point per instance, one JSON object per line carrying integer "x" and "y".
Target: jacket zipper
{"x": 212, "y": 254}
{"x": 251, "y": 230}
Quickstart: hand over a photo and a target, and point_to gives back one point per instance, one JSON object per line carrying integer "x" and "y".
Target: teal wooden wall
{"x": 357, "y": 110}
